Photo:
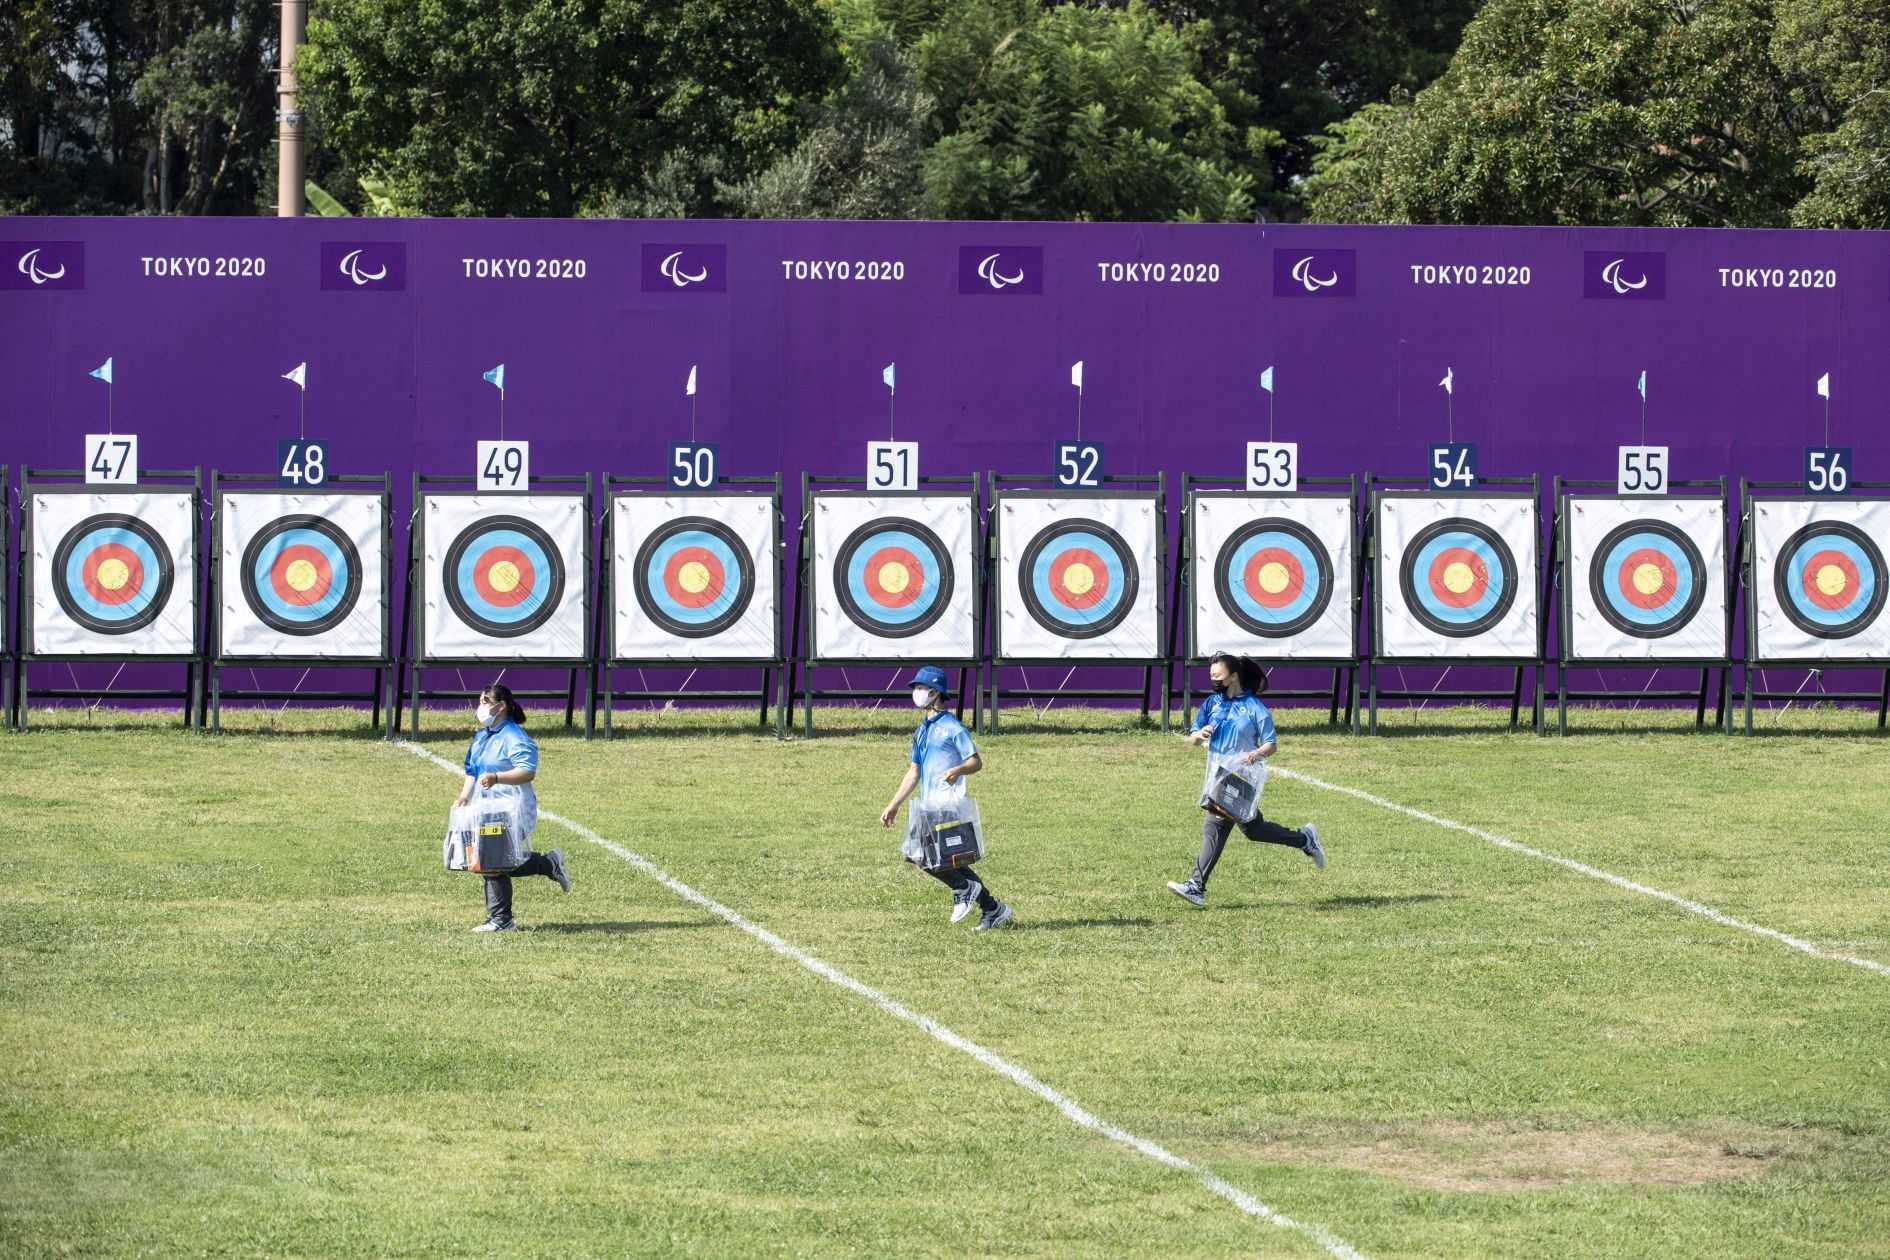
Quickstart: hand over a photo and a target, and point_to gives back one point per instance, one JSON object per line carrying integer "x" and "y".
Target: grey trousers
{"x": 1214, "y": 832}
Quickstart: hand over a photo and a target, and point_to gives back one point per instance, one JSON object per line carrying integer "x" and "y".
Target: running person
{"x": 942, "y": 755}
{"x": 503, "y": 759}
{"x": 1234, "y": 723}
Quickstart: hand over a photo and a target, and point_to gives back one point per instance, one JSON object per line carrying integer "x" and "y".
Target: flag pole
{"x": 302, "y": 407}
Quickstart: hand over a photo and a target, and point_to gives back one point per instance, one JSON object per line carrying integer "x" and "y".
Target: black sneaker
{"x": 559, "y": 871}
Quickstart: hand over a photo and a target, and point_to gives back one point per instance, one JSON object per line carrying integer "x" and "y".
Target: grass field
{"x": 243, "y": 1015}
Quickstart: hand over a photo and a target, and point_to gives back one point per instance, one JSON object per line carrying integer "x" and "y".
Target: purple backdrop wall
{"x": 1174, "y": 323}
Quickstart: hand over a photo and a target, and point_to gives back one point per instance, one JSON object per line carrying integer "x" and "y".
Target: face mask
{"x": 921, "y": 697}
{"x": 1220, "y": 688}
{"x": 485, "y": 716}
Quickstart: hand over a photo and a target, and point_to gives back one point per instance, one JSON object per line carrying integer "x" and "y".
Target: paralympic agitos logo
{"x": 42, "y": 265}
{"x": 679, "y": 268}
{"x": 1315, "y": 273}
{"x": 1007, "y": 270}
{"x": 1635, "y": 276}
{"x": 359, "y": 266}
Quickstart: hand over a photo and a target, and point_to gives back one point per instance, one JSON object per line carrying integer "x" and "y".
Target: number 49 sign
{"x": 504, "y": 466}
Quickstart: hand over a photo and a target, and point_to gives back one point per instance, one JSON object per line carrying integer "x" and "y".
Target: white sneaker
{"x": 1314, "y": 850}
{"x": 964, "y": 899}
{"x": 994, "y": 919}
{"x": 559, "y": 871}
{"x": 491, "y": 926}
{"x": 1195, "y": 897}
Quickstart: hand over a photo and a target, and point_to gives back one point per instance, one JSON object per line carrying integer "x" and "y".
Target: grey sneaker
{"x": 994, "y": 919}
{"x": 559, "y": 871}
{"x": 1314, "y": 850}
{"x": 1188, "y": 892}
{"x": 493, "y": 925}
{"x": 964, "y": 899}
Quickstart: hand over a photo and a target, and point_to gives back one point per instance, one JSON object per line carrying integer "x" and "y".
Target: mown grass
{"x": 243, "y": 1015}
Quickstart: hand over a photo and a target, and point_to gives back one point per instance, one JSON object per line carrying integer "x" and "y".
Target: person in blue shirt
{"x": 1233, "y": 723}
{"x": 942, "y": 755}
{"x": 503, "y": 759}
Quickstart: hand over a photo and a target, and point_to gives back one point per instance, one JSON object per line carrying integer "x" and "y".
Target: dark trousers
{"x": 956, "y": 880}
{"x": 1215, "y": 828}
{"x": 499, "y": 887}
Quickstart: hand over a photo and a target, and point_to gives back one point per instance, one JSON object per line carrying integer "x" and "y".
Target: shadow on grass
{"x": 641, "y": 925}
{"x": 1378, "y": 903}
{"x": 1066, "y": 925}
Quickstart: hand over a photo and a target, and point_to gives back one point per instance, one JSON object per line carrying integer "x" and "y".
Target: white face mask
{"x": 485, "y": 716}
{"x": 921, "y": 697}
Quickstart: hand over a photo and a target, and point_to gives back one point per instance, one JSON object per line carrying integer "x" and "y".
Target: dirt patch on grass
{"x": 1453, "y": 1155}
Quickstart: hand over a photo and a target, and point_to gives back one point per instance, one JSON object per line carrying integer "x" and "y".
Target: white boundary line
{"x": 1071, "y": 1109}
{"x": 1582, "y": 868}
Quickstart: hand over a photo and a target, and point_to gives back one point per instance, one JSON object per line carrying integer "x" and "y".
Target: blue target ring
{"x": 1830, "y": 580}
{"x": 694, "y": 577}
{"x": 1458, "y": 577}
{"x": 1647, "y": 578}
{"x": 894, "y": 577}
{"x": 112, "y": 574}
{"x": 301, "y": 575}
{"x": 1078, "y": 579}
{"x": 504, "y": 576}
{"x": 1273, "y": 577}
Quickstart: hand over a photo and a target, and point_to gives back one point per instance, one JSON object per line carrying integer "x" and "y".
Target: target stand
{"x": 120, "y": 581}
{"x": 887, "y": 579}
{"x": 686, "y": 585}
{"x": 9, "y": 635}
{"x": 1077, "y": 584}
{"x": 504, "y": 578}
{"x": 1448, "y": 587}
{"x": 300, "y": 579}
{"x": 1267, "y": 585}
{"x": 1811, "y": 569}
{"x": 1640, "y": 583}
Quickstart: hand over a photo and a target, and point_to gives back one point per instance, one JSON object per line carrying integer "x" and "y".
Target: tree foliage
{"x": 1838, "y": 55}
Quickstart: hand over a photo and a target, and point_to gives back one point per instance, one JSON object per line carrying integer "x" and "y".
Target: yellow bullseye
{"x": 1459, "y": 577}
{"x": 1831, "y": 580}
{"x": 1274, "y": 577}
{"x": 693, "y": 577}
{"x": 114, "y": 574}
{"x": 894, "y": 578}
{"x": 503, "y": 577}
{"x": 1079, "y": 579}
{"x": 301, "y": 576}
{"x": 1648, "y": 579}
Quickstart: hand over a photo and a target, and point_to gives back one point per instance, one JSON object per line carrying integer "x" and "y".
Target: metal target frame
{"x": 970, "y": 669}
{"x": 149, "y": 480}
{"x": 1745, "y": 565}
{"x": 1155, "y": 669}
{"x": 380, "y": 697}
{"x": 773, "y": 668}
{"x": 9, "y": 634}
{"x": 408, "y": 687}
{"x": 1560, "y": 571}
{"x": 1377, "y": 490}
{"x": 1184, "y": 646}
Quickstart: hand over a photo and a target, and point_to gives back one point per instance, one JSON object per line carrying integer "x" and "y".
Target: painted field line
{"x": 1582, "y": 868}
{"x": 1071, "y": 1109}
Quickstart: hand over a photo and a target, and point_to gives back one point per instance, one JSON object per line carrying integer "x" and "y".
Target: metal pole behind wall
{"x": 289, "y": 163}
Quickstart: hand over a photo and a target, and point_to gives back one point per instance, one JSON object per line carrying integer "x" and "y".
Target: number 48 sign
{"x": 301, "y": 464}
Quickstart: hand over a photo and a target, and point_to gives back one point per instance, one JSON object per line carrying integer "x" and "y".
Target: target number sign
{"x": 1453, "y": 466}
{"x": 892, "y": 465}
{"x": 1641, "y": 470}
{"x": 300, "y": 464}
{"x": 111, "y": 459}
{"x": 1827, "y": 469}
{"x": 1079, "y": 464}
{"x": 1273, "y": 466}
{"x": 692, "y": 467}
{"x": 504, "y": 466}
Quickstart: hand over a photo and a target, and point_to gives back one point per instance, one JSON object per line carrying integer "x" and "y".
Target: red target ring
{"x": 1079, "y": 578}
{"x": 1458, "y": 577}
{"x": 1274, "y": 577}
{"x": 504, "y": 576}
{"x": 894, "y": 577}
{"x": 113, "y": 574}
{"x": 1830, "y": 580}
{"x": 301, "y": 575}
{"x": 694, "y": 577}
{"x": 1646, "y": 578}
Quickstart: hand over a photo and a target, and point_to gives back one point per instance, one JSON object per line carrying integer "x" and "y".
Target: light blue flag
{"x": 103, "y": 372}
{"x": 496, "y": 376}
{"x": 1643, "y": 385}
{"x": 1266, "y": 380}
{"x": 887, "y": 376}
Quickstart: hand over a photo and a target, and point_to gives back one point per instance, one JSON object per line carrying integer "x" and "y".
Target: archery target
{"x": 894, "y": 577}
{"x": 1272, "y": 576}
{"x": 114, "y": 574}
{"x": 302, "y": 575}
{"x": 1080, "y": 578}
{"x": 1456, "y": 577}
{"x": 1646, "y": 578}
{"x": 1819, "y": 581}
{"x": 505, "y": 577}
{"x": 693, "y": 577}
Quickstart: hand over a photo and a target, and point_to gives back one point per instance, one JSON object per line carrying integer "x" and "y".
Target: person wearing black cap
{"x": 942, "y": 755}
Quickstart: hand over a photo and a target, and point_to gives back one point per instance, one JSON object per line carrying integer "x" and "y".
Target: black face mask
{"x": 1220, "y": 688}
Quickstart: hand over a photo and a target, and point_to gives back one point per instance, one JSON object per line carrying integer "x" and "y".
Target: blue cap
{"x": 931, "y": 676}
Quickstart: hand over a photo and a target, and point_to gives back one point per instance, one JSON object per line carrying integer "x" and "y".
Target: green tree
{"x": 562, "y": 107}
{"x": 1839, "y": 51}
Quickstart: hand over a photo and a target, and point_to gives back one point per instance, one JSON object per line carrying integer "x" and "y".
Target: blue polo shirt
{"x": 505, "y": 746}
{"x": 940, "y": 742}
{"x": 1241, "y": 724}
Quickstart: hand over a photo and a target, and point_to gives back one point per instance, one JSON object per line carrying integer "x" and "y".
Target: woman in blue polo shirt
{"x": 942, "y": 754}
{"x": 503, "y": 760}
{"x": 1234, "y": 723}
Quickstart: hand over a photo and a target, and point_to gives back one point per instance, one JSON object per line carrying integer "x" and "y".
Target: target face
{"x": 1830, "y": 580}
{"x": 1648, "y": 579}
{"x": 112, "y": 574}
{"x": 301, "y": 575}
{"x": 894, "y": 578}
{"x": 1459, "y": 577}
{"x": 1078, "y": 579}
{"x": 1274, "y": 577}
{"x": 504, "y": 576}
{"x": 694, "y": 577}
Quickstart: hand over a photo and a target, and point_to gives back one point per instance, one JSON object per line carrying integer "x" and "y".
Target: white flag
{"x": 1076, "y": 374}
{"x": 1449, "y": 377}
{"x": 298, "y": 374}
{"x": 689, "y": 390}
{"x": 1824, "y": 385}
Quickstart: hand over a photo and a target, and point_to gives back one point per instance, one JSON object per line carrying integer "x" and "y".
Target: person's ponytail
{"x": 502, "y": 694}
{"x": 1252, "y": 677}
